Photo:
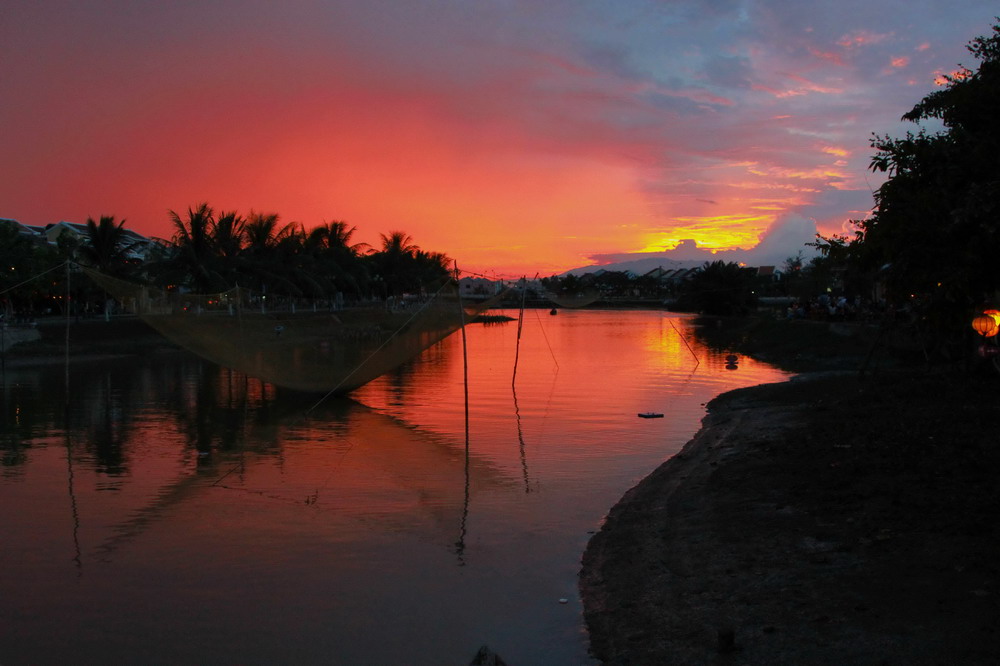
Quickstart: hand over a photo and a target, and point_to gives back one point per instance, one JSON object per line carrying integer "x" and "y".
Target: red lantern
{"x": 985, "y": 325}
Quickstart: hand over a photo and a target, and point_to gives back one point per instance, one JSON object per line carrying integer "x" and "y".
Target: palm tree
{"x": 271, "y": 252}
{"x": 107, "y": 246}
{"x": 261, "y": 230}
{"x": 337, "y": 257}
{"x": 398, "y": 243}
{"x": 404, "y": 267}
{"x": 228, "y": 234}
{"x": 432, "y": 267}
{"x": 192, "y": 260}
{"x": 336, "y": 236}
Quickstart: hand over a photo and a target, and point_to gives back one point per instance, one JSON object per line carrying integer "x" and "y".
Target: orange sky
{"x": 517, "y": 137}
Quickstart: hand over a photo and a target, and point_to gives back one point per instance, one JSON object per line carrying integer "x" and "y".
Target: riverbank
{"x": 88, "y": 339}
{"x": 831, "y": 519}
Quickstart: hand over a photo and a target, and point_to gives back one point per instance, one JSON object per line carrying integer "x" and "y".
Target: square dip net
{"x": 316, "y": 347}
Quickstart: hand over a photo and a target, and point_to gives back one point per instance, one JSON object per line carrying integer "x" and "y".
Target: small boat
{"x": 650, "y": 415}
{"x": 553, "y": 311}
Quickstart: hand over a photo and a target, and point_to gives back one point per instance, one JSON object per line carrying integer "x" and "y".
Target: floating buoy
{"x": 564, "y": 600}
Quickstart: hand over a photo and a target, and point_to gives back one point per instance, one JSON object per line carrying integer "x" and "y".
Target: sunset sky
{"x": 515, "y": 136}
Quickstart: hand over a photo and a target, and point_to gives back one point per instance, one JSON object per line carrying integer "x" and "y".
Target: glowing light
{"x": 986, "y": 325}
{"x": 719, "y": 232}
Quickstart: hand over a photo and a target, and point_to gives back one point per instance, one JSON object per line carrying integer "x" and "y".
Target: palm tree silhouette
{"x": 107, "y": 246}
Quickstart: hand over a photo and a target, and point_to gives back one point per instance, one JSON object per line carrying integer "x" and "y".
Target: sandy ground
{"x": 827, "y": 520}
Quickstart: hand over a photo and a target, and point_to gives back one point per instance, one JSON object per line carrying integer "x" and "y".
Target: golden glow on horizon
{"x": 520, "y": 145}
{"x": 721, "y": 232}
{"x": 819, "y": 173}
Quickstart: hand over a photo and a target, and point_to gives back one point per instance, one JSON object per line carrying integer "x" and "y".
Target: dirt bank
{"x": 828, "y": 520}
{"x": 88, "y": 339}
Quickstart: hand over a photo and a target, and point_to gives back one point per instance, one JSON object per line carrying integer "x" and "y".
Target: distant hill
{"x": 772, "y": 251}
{"x": 637, "y": 266}
{"x": 787, "y": 237}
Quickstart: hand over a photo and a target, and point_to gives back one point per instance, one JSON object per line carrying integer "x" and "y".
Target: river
{"x": 168, "y": 511}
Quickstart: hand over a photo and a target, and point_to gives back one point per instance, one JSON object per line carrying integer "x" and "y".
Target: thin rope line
{"x": 546, "y": 337}
{"x": 33, "y": 278}
{"x": 684, "y": 340}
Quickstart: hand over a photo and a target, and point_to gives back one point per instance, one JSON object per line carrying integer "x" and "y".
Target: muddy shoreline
{"x": 826, "y": 520}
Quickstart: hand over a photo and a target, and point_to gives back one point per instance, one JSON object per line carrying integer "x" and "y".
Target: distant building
{"x": 33, "y": 233}
{"x": 139, "y": 246}
{"x": 658, "y": 274}
{"x": 477, "y": 287}
{"x": 768, "y": 273}
{"x": 77, "y": 232}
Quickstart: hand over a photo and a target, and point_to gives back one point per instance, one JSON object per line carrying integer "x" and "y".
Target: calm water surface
{"x": 171, "y": 511}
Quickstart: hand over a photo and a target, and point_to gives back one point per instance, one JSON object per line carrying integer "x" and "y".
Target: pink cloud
{"x": 862, "y": 38}
{"x": 459, "y": 124}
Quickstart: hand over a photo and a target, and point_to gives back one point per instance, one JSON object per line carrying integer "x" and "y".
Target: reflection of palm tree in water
{"x": 350, "y": 445}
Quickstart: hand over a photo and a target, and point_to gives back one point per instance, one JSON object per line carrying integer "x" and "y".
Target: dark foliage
{"x": 719, "y": 288}
{"x": 932, "y": 241}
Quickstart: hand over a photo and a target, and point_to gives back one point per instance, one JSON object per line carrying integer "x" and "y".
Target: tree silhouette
{"x": 192, "y": 262}
{"x": 107, "y": 246}
{"x": 228, "y": 235}
{"x": 21, "y": 259}
{"x": 337, "y": 257}
{"x": 718, "y": 288}
{"x": 933, "y": 237}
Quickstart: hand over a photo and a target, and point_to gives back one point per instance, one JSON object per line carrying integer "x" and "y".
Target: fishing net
{"x": 315, "y": 347}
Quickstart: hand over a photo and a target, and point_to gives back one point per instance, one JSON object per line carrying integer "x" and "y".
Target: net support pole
{"x": 520, "y": 325}
{"x": 68, "y": 305}
{"x": 465, "y": 357}
{"x": 460, "y": 544}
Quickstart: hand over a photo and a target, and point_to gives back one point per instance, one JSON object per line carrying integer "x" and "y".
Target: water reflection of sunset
{"x": 170, "y": 484}
{"x": 587, "y": 372}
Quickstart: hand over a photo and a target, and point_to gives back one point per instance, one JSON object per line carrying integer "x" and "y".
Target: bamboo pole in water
{"x": 67, "y": 329}
{"x": 460, "y": 544}
{"x": 520, "y": 324}
{"x": 465, "y": 358}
